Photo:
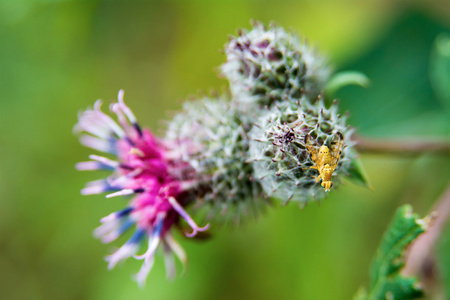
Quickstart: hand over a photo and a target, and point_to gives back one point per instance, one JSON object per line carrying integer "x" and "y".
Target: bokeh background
{"x": 58, "y": 57}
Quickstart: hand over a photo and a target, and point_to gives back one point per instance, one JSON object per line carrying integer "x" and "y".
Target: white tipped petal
{"x": 100, "y": 182}
{"x": 152, "y": 245}
{"x": 123, "y": 192}
{"x": 180, "y": 210}
{"x": 87, "y": 166}
{"x": 98, "y": 105}
{"x": 122, "y": 253}
{"x": 106, "y": 228}
{"x": 126, "y": 110}
{"x": 112, "y": 236}
{"x": 177, "y": 249}
{"x": 123, "y": 121}
{"x": 109, "y": 218}
{"x": 91, "y": 190}
{"x": 109, "y": 122}
{"x": 91, "y": 123}
{"x": 169, "y": 262}
{"x": 149, "y": 257}
{"x": 95, "y": 143}
{"x": 143, "y": 272}
{"x": 120, "y": 95}
{"x": 104, "y": 160}
{"x": 123, "y": 180}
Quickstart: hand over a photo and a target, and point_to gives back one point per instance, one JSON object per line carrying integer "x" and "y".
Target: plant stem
{"x": 421, "y": 249}
{"x": 402, "y": 147}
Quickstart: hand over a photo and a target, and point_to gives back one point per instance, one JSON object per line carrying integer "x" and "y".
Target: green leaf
{"x": 357, "y": 174}
{"x": 385, "y": 279}
{"x": 345, "y": 78}
{"x": 440, "y": 69}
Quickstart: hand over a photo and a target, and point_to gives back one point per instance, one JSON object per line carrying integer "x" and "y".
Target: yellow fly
{"x": 324, "y": 159}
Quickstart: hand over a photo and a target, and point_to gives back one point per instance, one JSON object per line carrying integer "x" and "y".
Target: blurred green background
{"x": 58, "y": 57}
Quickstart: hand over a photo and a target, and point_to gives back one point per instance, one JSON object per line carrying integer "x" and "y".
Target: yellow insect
{"x": 324, "y": 159}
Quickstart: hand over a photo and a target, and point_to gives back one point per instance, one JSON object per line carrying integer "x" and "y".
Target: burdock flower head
{"x": 267, "y": 64}
{"x": 217, "y": 132}
{"x": 145, "y": 167}
{"x": 279, "y": 149}
{"x": 226, "y": 155}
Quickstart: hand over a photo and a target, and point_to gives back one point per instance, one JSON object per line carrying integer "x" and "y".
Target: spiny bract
{"x": 218, "y": 148}
{"x": 268, "y": 65}
{"x": 280, "y": 158}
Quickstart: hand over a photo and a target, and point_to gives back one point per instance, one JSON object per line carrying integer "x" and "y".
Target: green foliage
{"x": 345, "y": 78}
{"x": 440, "y": 69}
{"x": 386, "y": 282}
{"x": 357, "y": 174}
{"x": 401, "y": 99}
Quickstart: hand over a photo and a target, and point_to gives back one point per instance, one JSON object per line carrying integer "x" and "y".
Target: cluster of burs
{"x": 248, "y": 145}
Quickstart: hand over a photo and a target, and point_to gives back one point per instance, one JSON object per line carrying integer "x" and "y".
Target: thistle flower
{"x": 144, "y": 167}
{"x": 226, "y": 155}
{"x": 279, "y": 155}
{"x": 269, "y": 65}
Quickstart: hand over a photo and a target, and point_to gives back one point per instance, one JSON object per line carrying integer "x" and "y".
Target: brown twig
{"x": 401, "y": 147}
{"x": 420, "y": 258}
{"x": 423, "y": 246}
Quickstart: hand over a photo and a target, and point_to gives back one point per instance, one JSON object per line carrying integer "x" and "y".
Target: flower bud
{"x": 269, "y": 65}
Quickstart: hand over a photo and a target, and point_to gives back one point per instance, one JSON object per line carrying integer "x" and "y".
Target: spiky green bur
{"x": 212, "y": 137}
{"x": 385, "y": 279}
{"x": 268, "y": 65}
{"x": 275, "y": 81}
{"x": 279, "y": 155}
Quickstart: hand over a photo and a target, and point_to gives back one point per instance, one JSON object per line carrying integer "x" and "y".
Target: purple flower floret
{"x": 146, "y": 167}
